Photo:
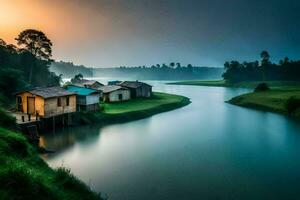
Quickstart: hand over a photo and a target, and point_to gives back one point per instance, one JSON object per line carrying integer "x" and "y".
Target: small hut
{"x": 137, "y": 89}
{"x": 46, "y": 102}
{"x": 87, "y": 99}
{"x": 114, "y": 93}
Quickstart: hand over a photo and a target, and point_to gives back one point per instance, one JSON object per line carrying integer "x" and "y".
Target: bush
{"x": 6, "y": 120}
{"x": 261, "y": 87}
{"x": 292, "y": 104}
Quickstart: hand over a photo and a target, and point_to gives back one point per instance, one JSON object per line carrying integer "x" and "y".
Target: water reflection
{"x": 206, "y": 150}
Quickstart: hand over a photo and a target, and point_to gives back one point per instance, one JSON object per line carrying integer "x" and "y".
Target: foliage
{"x": 24, "y": 175}
{"x": 261, "y": 87}
{"x": 77, "y": 78}
{"x": 292, "y": 104}
{"x": 20, "y": 69}
{"x": 6, "y": 120}
{"x": 280, "y": 100}
{"x": 68, "y": 69}
{"x": 36, "y": 42}
{"x": 285, "y": 70}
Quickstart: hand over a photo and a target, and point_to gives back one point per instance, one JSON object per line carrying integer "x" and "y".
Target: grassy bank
{"x": 23, "y": 175}
{"x": 274, "y": 100}
{"x": 134, "y": 109}
{"x": 245, "y": 84}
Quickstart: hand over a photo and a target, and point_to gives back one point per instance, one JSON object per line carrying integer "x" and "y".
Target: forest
{"x": 173, "y": 71}
{"x": 263, "y": 70}
{"x": 26, "y": 65}
{"x": 68, "y": 69}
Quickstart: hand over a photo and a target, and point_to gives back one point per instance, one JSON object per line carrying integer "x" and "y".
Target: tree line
{"x": 26, "y": 65}
{"x": 172, "y": 71}
{"x": 263, "y": 70}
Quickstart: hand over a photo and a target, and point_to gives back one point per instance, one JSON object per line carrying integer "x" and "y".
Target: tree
{"x": 172, "y": 64}
{"x": 178, "y": 65}
{"x": 265, "y": 56}
{"x": 2, "y": 42}
{"x": 77, "y": 78}
{"x": 37, "y": 43}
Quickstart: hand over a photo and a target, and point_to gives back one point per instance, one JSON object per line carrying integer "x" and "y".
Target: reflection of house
{"x": 137, "y": 89}
{"x": 88, "y": 83}
{"x": 46, "y": 102}
{"x": 87, "y": 99}
{"x": 114, "y": 93}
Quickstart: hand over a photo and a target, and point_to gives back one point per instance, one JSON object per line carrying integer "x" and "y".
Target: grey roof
{"x": 49, "y": 92}
{"x": 111, "y": 88}
{"x": 87, "y": 82}
{"x": 133, "y": 84}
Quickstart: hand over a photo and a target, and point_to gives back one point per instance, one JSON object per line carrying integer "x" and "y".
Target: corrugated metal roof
{"x": 49, "y": 92}
{"x": 81, "y": 90}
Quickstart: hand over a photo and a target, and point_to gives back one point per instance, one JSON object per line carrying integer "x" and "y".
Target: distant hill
{"x": 161, "y": 73}
{"x": 69, "y": 70}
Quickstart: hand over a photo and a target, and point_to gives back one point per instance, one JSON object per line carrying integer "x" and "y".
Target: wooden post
{"x": 53, "y": 124}
{"x": 29, "y": 117}
{"x": 23, "y": 118}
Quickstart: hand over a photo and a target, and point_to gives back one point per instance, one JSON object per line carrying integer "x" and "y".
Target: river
{"x": 206, "y": 150}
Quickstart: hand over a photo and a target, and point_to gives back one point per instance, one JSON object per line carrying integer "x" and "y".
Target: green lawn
{"x": 134, "y": 109}
{"x": 273, "y": 100}
{"x": 158, "y": 99}
{"x": 245, "y": 84}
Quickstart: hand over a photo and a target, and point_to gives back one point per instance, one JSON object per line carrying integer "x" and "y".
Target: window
{"x": 67, "y": 101}
{"x": 58, "y": 102}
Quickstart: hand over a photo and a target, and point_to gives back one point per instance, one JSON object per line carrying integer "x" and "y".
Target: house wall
{"x": 39, "y": 103}
{"x": 51, "y": 108}
{"x": 144, "y": 91}
{"x": 92, "y": 99}
{"x": 114, "y": 96}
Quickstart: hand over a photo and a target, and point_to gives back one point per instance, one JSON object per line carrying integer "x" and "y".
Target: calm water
{"x": 206, "y": 150}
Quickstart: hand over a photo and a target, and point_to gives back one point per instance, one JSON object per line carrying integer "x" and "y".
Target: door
{"x": 120, "y": 97}
{"x": 31, "y": 105}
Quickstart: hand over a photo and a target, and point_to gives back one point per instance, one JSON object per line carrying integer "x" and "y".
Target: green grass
{"x": 24, "y": 175}
{"x": 134, "y": 109}
{"x": 244, "y": 84}
{"x": 274, "y": 100}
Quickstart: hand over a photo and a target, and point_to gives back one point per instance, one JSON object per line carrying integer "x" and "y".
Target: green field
{"x": 274, "y": 100}
{"x": 134, "y": 109}
{"x": 245, "y": 84}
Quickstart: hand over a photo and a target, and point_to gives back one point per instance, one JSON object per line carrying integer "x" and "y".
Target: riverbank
{"x": 134, "y": 109}
{"x": 244, "y": 84}
{"x": 274, "y": 100}
{"x": 24, "y": 175}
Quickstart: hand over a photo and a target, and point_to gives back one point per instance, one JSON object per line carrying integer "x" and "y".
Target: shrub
{"x": 6, "y": 120}
{"x": 261, "y": 87}
{"x": 292, "y": 104}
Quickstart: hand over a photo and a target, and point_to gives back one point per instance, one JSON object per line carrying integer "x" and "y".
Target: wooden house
{"x": 115, "y": 93}
{"x": 137, "y": 89}
{"x": 87, "y": 99}
{"x": 46, "y": 102}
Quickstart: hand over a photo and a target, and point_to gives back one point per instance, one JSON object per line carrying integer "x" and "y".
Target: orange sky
{"x": 111, "y": 33}
{"x": 67, "y": 24}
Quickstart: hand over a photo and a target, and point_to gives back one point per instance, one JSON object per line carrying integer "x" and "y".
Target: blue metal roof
{"x": 80, "y": 90}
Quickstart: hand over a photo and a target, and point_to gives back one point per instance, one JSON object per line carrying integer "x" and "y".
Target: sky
{"x": 112, "y": 33}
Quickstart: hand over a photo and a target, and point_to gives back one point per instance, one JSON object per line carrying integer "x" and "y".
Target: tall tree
{"x": 37, "y": 43}
{"x": 265, "y": 62}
